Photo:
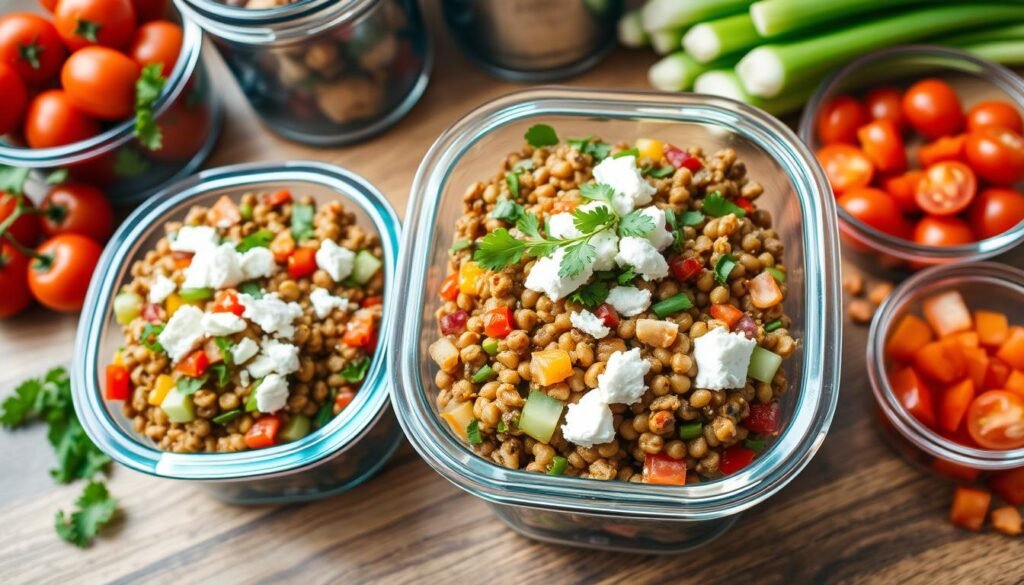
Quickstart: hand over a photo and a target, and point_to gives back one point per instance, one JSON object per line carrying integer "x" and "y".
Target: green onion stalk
{"x": 679, "y": 14}
{"x": 778, "y": 17}
{"x": 678, "y": 71}
{"x": 726, "y": 83}
{"x": 631, "y": 31}
{"x": 708, "y": 41}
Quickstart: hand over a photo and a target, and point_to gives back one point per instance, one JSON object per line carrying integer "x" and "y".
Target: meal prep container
{"x": 534, "y": 40}
{"x": 323, "y": 72}
{"x": 335, "y": 458}
{"x": 189, "y": 113}
{"x": 984, "y": 285}
{"x": 616, "y": 515}
{"x": 974, "y": 79}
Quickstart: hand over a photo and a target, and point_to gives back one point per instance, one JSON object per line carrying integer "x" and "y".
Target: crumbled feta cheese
{"x": 722, "y": 359}
{"x": 606, "y": 244}
{"x": 544, "y": 277}
{"x": 629, "y": 301}
{"x": 214, "y": 267}
{"x": 224, "y": 323}
{"x": 642, "y": 257}
{"x": 244, "y": 350}
{"x": 335, "y": 260}
{"x": 244, "y": 378}
{"x": 623, "y": 379}
{"x": 183, "y": 331}
{"x": 562, "y": 226}
{"x": 660, "y": 237}
{"x": 161, "y": 288}
{"x": 272, "y": 393}
{"x": 589, "y": 323}
{"x": 631, "y": 189}
{"x": 275, "y": 357}
{"x": 324, "y": 302}
{"x": 257, "y": 263}
{"x": 194, "y": 238}
{"x": 589, "y": 421}
{"x": 271, "y": 313}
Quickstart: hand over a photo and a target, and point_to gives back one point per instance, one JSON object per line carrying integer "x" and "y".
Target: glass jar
{"x": 322, "y": 72}
{"x": 614, "y": 515}
{"x": 337, "y": 457}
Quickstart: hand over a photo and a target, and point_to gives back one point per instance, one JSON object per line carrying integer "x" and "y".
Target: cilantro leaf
{"x": 148, "y": 337}
{"x": 636, "y": 223}
{"x": 628, "y": 152}
{"x": 302, "y": 222}
{"x": 578, "y": 256}
{"x": 96, "y": 508}
{"x": 589, "y": 145}
{"x": 189, "y": 386}
{"x": 147, "y": 91}
{"x": 658, "y": 172}
{"x": 356, "y": 371}
{"x": 507, "y": 210}
{"x": 222, "y": 375}
{"x": 723, "y": 268}
{"x": 690, "y": 218}
{"x": 529, "y": 225}
{"x": 459, "y": 246}
{"x": 593, "y": 220}
{"x": 251, "y": 288}
{"x": 258, "y": 239}
{"x": 592, "y": 294}
{"x": 499, "y": 249}
{"x": 716, "y": 205}
{"x": 598, "y": 192}
{"x": 12, "y": 179}
{"x": 541, "y": 135}
{"x": 224, "y": 346}
{"x": 20, "y": 406}
{"x": 512, "y": 180}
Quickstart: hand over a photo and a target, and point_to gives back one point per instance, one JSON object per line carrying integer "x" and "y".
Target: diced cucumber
{"x": 763, "y": 364}
{"x": 127, "y": 306}
{"x": 365, "y": 266}
{"x": 298, "y": 426}
{"x": 540, "y": 416}
{"x": 178, "y": 406}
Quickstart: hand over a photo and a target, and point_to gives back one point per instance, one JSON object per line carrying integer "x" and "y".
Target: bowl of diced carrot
{"x": 946, "y": 364}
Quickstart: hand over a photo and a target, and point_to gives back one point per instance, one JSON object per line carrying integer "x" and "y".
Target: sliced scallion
{"x": 723, "y": 268}
{"x": 773, "y": 326}
{"x": 690, "y": 430}
{"x": 490, "y": 345}
{"x": 558, "y": 465}
{"x": 673, "y": 304}
{"x": 483, "y": 374}
{"x": 755, "y": 445}
{"x": 627, "y": 152}
{"x": 777, "y": 273}
{"x": 473, "y": 433}
{"x": 226, "y": 417}
{"x": 193, "y": 295}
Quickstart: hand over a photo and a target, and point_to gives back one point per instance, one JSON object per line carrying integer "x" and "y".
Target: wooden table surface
{"x": 857, "y": 514}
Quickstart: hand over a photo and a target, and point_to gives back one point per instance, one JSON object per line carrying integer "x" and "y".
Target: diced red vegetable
{"x": 359, "y": 331}
{"x": 680, "y": 158}
{"x": 763, "y": 418}
{"x": 746, "y": 326}
{"x": 993, "y": 328}
{"x": 302, "y": 263}
{"x": 970, "y": 506}
{"x": 942, "y": 149}
{"x": 343, "y": 399}
{"x": 1009, "y": 485}
{"x": 955, "y": 402}
{"x": 955, "y": 471}
{"x": 119, "y": 384}
{"x": 942, "y": 361}
{"x": 1015, "y": 382}
{"x": 372, "y": 301}
{"x": 734, "y": 459}
{"x": 450, "y": 287}
{"x": 279, "y": 197}
{"x": 454, "y": 323}
{"x": 910, "y": 335}
{"x": 1007, "y": 520}
{"x": 263, "y": 433}
{"x": 608, "y": 315}
{"x": 151, "y": 313}
{"x": 194, "y": 365}
{"x": 662, "y": 469}
{"x": 914, "y": 395}
{"x": 498, "y": 322}
{"x": 685, "y": 268}
{"x": 227, "y": 302}
{"x": 997, "y": 374}
{"x": 727, "y": 314}
{"x": 1012, "y": 350}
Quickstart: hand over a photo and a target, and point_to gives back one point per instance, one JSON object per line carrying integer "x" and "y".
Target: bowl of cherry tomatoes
{"x": 112, "y": 92}
{"x": 923, "y": 148}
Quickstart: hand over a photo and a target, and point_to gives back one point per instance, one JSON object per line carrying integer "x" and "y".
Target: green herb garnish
{"x": 324, "y": 414}
{"x": 460, "y": 245}
{"x": 626, "y": 276}
{"x": 723, "y": 268}
{"x": 189, "y": 386}
{"x": 658, "y": 172}
{"x": 512, "y": 180}
{"x": 628, "y": 152}
{"x": 776, "y": 324}
{"x": 524, "y": 165}
{"x": 777, "y": 273}
{"x": 597, "y": 149}
{"x": 251, "y": 288}
{"x": 755, "y": 445}
{"x": 147, "y": 91}
{"x": 717, "y": 206}
{"x": 673, "y": 304}
{"x": 598, "y": 192}
{"x": 258, "y": 239}
{"x": 591, "y": 295}
{"x": 302, "y": 221}
{"x": 636, "y": 223}
{"x": 149, "y": 335}
{"x": 225, "y": 346}
{"x": 356, "y": 371}
{"x": 502, "y": 427}
{"x": 12, "y": 179}
{"x": 541, "y": 135}
{"x": 507, "y": 210}
{"x": 483, "y": 374}
{"x": 558, "y": 465}
{"x": 57, "y": 177}
{"x": 226, "y": 417}
{"x": 690, "y": 430}
{"x": 223, "y": 376}
{"x": 129, "y": 163}
{"x": 95, "y": 506}
{"x": 473, "y": 433}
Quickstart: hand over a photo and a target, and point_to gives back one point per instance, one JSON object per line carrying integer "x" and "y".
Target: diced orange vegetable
{"x": 966, "y": 338}
{"x": 977, "y": 365}
{"x": 915, "y": 397}
{"x": 343, "y": 399}
{"x": 302, "y": 263}
{"x": 727, "y": 314}
{"x": 1012, "y": 350}
{"x": 993, "y": 328}
{"x": 224, "y": 213}
{"x": 1006, "y": 520}
{"x": 947, "y": 313}
{"x": 450, "y": 287}
{"x": 279, "y": 197}
{"x": 459, "y": 417}
{"x": 662, "y": 469}
{"x": 470, "y": 276}
{"x": 764, "y": 291}
{"x": 194, "y": 365}
{"x": 1015, "y": 382}
{"x": 955, "y": 401}
{"x": 942, "y": 361}
{"x": 550, "y": 366}
{"x": 173, "y": 303}
{"x": 1009, "y": 485}
{"x": 970, "y": 506}
{"x": 263, "y": 433}
{"x": 651, "y": 148}
{"x": 910, "y": 335}
{"x": 955, "y": 470}
{"x": 997, "y": 374}
{"x": 282, "y": 246}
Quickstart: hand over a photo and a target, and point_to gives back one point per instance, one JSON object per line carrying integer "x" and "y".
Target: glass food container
{"x": 975, "y": 80}
{"x": 190, "y": 118}
{"x": 346, "y": 452}
{"x": 616, "y": 515}
{"x": 984, "y": 285}
{"x": 322, "y": 72}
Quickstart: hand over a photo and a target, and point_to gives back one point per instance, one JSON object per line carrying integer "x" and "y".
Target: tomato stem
{"x": 25, "y": 250}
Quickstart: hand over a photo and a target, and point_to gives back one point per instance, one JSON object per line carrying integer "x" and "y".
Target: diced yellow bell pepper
{"x": 650, "y": 148}
{"x": 118, "y": 358}
{"x": 173, "y": 303}
{"x": 550, "y": 366}
{"x": 470, "y": 275}
{"x": 161, "y": 387}
{"x": 458, "y": 418}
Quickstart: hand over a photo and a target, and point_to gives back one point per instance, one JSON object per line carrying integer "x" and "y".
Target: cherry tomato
{"x": 50, "y": 5}
{"x": 995, "y": 113}
{"x": 940, "y": 231}
{"x": 77, "y": 209}
{"x": 184, "y": 129}
{"x": 946, "y": 188}
{"x": 101, "y": 82}
{"x": 933, "y": 108}
{"x": 839, "y": 119}
{"x": 53, "y": 121}
{"x": 995, "y": 420}
{"x": 157, "y": 42}
{"x": 996, "y": 154}
{"x": 109, "y": 23}
{"x": 846, "y": 167}
{"x": 60, "y": 279}
{"x": 903, "y": 189}
{"x": 302, "y": 263}
{"x": 995, "y": 211}
{"x": 941, "y": 149}
{"x": 31, "y": 46}
{"x": 12, "y": 107}
{"x": 25, "y": 229}
{"x": 13, "y": 281}
{"x": 147, "y": 10}
{"x": 884, "y": 104}
{"x": 883, "y": 145}
{"x": 876, "y": 209}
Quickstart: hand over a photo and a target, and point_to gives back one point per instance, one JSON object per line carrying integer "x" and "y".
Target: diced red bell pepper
{"x": 734, "y": 459}
{"x": 1015, "y": 382}
{"x": 913, "y": 395}
{"x": 194, "y": 365}
{"x": 727, "y": 314}
{"x": 343, "y": 399}
{"x": 1009, "y": 485}
{"x": 227, "y": 302}
{"x": 372, "y": 301}
{"x": 119, "y": 384}
{"x": 1012, "y": 350}
{"x": 763, "y": 418}
{"x": 498, "y": 322}
{"x": 955, "y": 401}
{"x": 608, "y": 315}
{"x": 1007, "y": 520}
{"x": 302, "y": 263}
{"x": 680, "y": 158}
{"x": 970, "y": 507}
{"x": 910, "y": 335}
{"x": 359, "y": 331}
{"x": 992, "y": 327}
{"x": 685, "y": 268}
{"x": 279, "y": 197}
{"x": 977, "y": 365}
{"x": 744, "y": 204}
{"x": 263, "y": 433}
{"x": 454, "y": 323}
{"x": 942, "y": 361}
{"x": 664, "y": 470}
{"x": 997, "y": 374}
{"x": 450, "y": 287}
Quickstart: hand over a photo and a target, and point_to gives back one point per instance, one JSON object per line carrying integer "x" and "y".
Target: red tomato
{"x": 996, "y": 154}
{"x": 846, "y": 167}
{"x": 839, "y": 120}
{"x": 60, "y": 279}
{"x": 110, "y": 23}
{"x": 119, "y": 384}
{"x": 31, "y": 46}
{"x": 942, "y": 149}
{"x": 734, "y": 459}
{"x": 359, "y": 331}
{"x": 14, "y": 283}
{"x": 685, "y": 268}
{"x": 302, "y": 263}
{"x": 77, "y": 209}
{"x": 498, "y": 322}
{"x": 1009, "y": 485}
{"x": 903, "y": 189}
{"x": 608, "y": 315}
{"x": 53, "y": 121}
{"x": 995, "y": 113}
{"x": 147, "y": 10}
{"x": 263, "y": 433}
{"x": 876, "y": 209}
{"x": 184, "y": 129}
{"x": 946, "y": 188}
{"x": 996, "y": 210}
{"x": 995, "y": 420}
{"x": 101, "y": 82}
{"x": 157, "y": 42}
{"x": 25, "y": 229}
{"x": 227, "y": 302}
{"x": 679, "y": 158}
{"x": 12, "y": 107}
{"x": 727, "y": 314}
{"x": 450, "y": 287}
{"x": 933, "y": 108}
{"x": 883, "y": 145}
{"x": 935, "y": 230}
{"x": 763, "y": 418}
{"x": 884, "y": 104}
{"x": 664, "y": 470}
{"x": 194, "y": 364}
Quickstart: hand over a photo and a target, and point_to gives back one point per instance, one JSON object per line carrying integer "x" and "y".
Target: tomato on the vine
{"x": 109, "y": 23}
{"x": 76, "y": 208}
{"x": 876, "y": 209}
{"x": 59, "y": 277}
{"x": 13, "y": 281}
{"x": 946, "y": 188}
{"x": 31, "y": 45}
{"x": 839, "y": 120}
{"x": 52, "y": 120}
{"x": 884, "y": 103}
{"x": 941, "y": 231}
{"x": 25, "y": 229}
{"x": 157, "y": 42}
{"x": 846, "y": 167}
{"x": 12, "y": 107}
{"x": 101, "y": 82}
{"x": 996, "y": 154}
{"x": 995, "y": 113}
{"x": 933, "y": 108}
{"x": 996, "y": 210}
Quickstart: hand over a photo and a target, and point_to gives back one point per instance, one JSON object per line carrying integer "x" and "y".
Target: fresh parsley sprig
{"x": 147, "y": 91}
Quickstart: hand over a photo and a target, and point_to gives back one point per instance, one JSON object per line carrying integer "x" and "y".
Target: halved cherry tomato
{"x": 263, "y": 433}
{"x": 839, "y": 120}
{"x": 935, "y": 230}
{"x": 995, "y": 211}
{"x": 30, "y": 44}
{"x": 157, "y": 42}
{"x": 359, "y": 331}
{"x": 664, "y": 470}
{"x": 77, "y": 208}
{"x": 884, "y": 103}
{"x": 996, "y": 154}
{"x": 912, "y": 393}
{"x": 876, "y": 209}
{"x": 12, "y": 107}
{"x": 946, "y": 188}
{"x": 883, "y": 145}
{"x": 903, "y": 189}
{"x": 279, "y": 197}
{"x": 109, "y": 23}
{"x": 763, "y": 418}
{"x": 846, "y": 167}
{"x": 25, "y": 229}
{"x": 13, "y": 267}
{"x": 942, "y": 149}
{"x": 608, "y": 315}
{"x": 995, "y": 420}
{"x": 302, "y": 263}
{"x": 995, "y": 113}
{"x": 450, "y": 287}
{"x": 726, "y": 313}
{"x": 343, "y": 399}
{"x": 119, "y": 384}
{"x": 685, "y": 268}
{"x": 227, "y": 302}
{"x": 955, "y": 402}
{"x": 101, "y": 82}
{"x": 52, "y": 120}
{"x": 933, "y": 108}
{"x": 194, "y": 364}
{"x": 498, "y": 322}
{"x": 60, "y": 279}
{"x": 734, "y": 459}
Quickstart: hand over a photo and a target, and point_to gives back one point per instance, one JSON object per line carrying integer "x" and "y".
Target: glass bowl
{"x": 620, "y": 515}
{"x": 188, "y": 111}
{"x": 336, "y": 457}
{"x": 974, "y": 79}
{"x": 984, "y": 285}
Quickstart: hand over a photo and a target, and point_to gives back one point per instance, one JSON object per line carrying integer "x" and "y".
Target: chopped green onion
{"x": 724, "y": 82}
{"x": 558, "y": 465}
{"x": 677, "y": 72}
{"x": 716, "y": 205}
{"x": 778, "y": 274}
{"x": 473, "y": 433}
{"x": 778, "y": 17}
{"x": 673, "y": 304}
{"x": 512, "y": 180}
{"x": 324, "y": 414}
{"x": 629, "y": 152}
{"x": 490, "y": 345}
{"x": 245, "y": 209}
{"x": 1010, "y": 53}
{"x": 773, "y": 326}
{"x": 149, "y": 335}
{"x": 226, "y": 417}
{"x": 755, "y": 445}
{"x": 224, "y": 345}
{"x": 302, "y": 221}
{"x": 460, "y": 245}
{"x": 192, "y": 295}
{"x": 365, "y": 266}
{"x": 502, "y": 427}
{"x": 258, "y": 239}
{"x": 250, "y": 403}
{"x": 483, "y": 374}
{"x": 665, "y": 41}
{"x": 723, "y": 268}
{"x": 690, "y": 430}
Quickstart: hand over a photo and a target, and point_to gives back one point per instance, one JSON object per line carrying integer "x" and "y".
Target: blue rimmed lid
{"x": 136, "y": 235}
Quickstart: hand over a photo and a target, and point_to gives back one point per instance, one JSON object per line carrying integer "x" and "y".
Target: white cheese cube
{"x": 562, "y": 226}
{"x": 161, "y": 288}
{"x": 257, "y": 263}
{"x": 219, "y": 324}
{"x": 183, "y": 331}
{"x": 622, "y": 175}
{"x": 275, "y": 357}
{"x": 544, "y": 277}
{"x": 271, "y": 313}
{"x": 644, "y": 258}
{"x": 243, "y": 351}
{"x": 324, "y": 302}
{"x": 589, "y": 421}
{"x": 606, "y": 243}
{"x": 214, "y": 267}
{"x": 722, "y": 359}
{"x": 335, "y": 260}
{"x": 194, "y": 238}
{"x": 660, "y": 237}
{"x": 629, "y": 301}
{"x": 272, "y": 393}
{"x": 623, "y": 379}
{"x": 589, "y": 323}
